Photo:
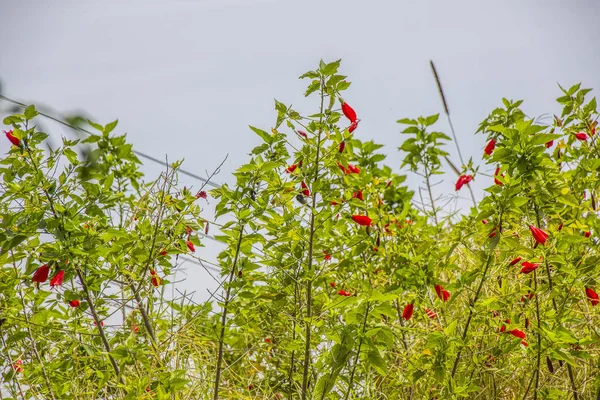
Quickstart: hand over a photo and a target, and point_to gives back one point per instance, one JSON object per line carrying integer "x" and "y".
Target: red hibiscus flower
{"x": 549, "y": 144}
{"x": 443, "y": 294}
{"x": 353, "y": 126}
{"x": 528, "y": 267}
{"x": 581, "y": 136}
{"x": 430, "y": 313}
{"x": 305, "y": 190}
{"x": 291, "y": 168}
{"x": 408, "y": 311}
{"x": 342, "y": 292}
{"x": 41, "y": 274}
{"x": 74, "y": 303}
{"x": 362, "y": 220}
{"x": 201, "y": 194}
{"x": 489, "y": 148}
{"x": 358, "y": 195}
{"x": 592, "y": 296}
{"x": 515, "y": 261}
{"x": 539, "y": 235}
{"x": 349, "y": 112}
{"x": 12, "y": 138}
{"x": 496, "y": 181}
{"x": 463, "y": 180}
{"x": 190, "y": 246}
{"x": 342, "y": 146}
{"x": 57, "y": 279}
{"x": 518, "y": 333}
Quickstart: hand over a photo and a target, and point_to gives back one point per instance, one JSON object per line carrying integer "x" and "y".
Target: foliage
{"x": 326, "y": 258}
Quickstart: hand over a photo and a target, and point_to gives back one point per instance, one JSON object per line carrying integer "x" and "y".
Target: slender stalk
{"x": 31, "y": 339}
{"x": 551, "y": 287}
{"x": 471, "y": 308}
{"x": 360, "y": 342}
{"x": 305, "y": 382}
{"x": 539, "y": 337}
{"x": 224, "y": 314}
{"x": 12, "y": 365}
{"x": 427, "y": 176}
{"x": 447, "y": 111}
{"x": 88, "y": 297}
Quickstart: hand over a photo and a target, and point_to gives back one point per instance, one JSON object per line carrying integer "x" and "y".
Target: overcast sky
{"x": 186, "y": 78}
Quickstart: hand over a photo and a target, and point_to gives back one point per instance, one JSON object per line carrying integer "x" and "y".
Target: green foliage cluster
{"x": 334, "y": 285}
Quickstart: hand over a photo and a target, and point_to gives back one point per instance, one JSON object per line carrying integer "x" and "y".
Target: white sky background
{"x": 186, "y": 78}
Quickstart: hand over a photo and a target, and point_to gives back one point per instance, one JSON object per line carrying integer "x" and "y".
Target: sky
{"x": 186, "y": 78}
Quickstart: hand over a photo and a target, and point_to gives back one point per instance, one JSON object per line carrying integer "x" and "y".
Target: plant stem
{"x": 539, "y": 336}
{"x": 471, "y": 308}
{"x": 360, "y": 342}
{"x": 224, "y": 314}
{"x": 305, "y": 383}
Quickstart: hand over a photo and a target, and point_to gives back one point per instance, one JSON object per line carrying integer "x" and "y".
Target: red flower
{"x": 592, "y": 296}
{"x": 155, "y": 280}
{"x": 342, "y": 146}
{"x": 358, "y": 195}
{"x": 101, "y": 323}
{"x": 18, "y": 366}
{"x": 353, "y": 126}
{"x": 305, "y": 190}
{"x": 581, "y": 136}
{"x": 549, "y": 144}
{"x": 490, "y": 147}
{"x": 524, "y": 343}
{"x": 201, "y": 194}
{"x": 13, "y": 139}
{"x": 188, "y": 230}
{"x": 342, "y": 292}
{"x": 443, "y": 294}
{"x": 267, "y": 340}
{"x": 332, "y": 284}
{"x": 303, "y": 134}
{"x": 539, "y": 235}
{"x": 503, "y": 327}
{"x": 484, "y": 221}
{"x": 528, "y": 296}
{"x": 136, "y": 329}
{"x": 41, "y": 274}
{"x": 353, "y": 169}
{"x": 362, "y": 220}
{"x": 587, "y": 234}
{"x": 496, "y": 181}
{"x": 528, "y": 267}
{"x": 408, "y": 311}
{"x": 430, "y": 313}
{"x": 349, "y": 112}
{"x": 163, "y": 253}
{"x": 335, "y": 203}
{"x": 560, "y": 227}
{"x": 291, "y": 168}
{"x": 74, "y": 303}
{"x": 327, "y": 256}
{"x": 462, "y": 180}
{"x": 515, "y": 260}
{"x": 190, "y": 246}
{"x": 518, "y": 333}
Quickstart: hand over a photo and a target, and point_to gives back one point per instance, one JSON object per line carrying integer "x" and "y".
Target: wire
{"x": 136, "y": 152}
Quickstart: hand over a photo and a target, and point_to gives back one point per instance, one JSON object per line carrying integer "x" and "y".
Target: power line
{"x": 136, "y": 152}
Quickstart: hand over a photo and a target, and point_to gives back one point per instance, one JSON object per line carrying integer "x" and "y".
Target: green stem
{"x": 224, "y": 314}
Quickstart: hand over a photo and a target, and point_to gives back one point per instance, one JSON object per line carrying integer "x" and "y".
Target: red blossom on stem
{"x": 528, "y": 267}
{"x": 358, "y": 195}
{"x": 538, "y": 234}
{"x": 41, "y": 274}
{"x": 332, "y": 284}
{"x": 515, "y": 261}
{"x": 57, "y": 279}
{"x": 305, "y": 190}
{"x": 581, "y": 136}
{"x": 349, "y": 112}
{"x": 443, "y": 294}
{"x": 463, "y": 180}
{"x": 342, "y": 292}
{"x": 496, "y": 181}
{"x": 12, "y": 138}
{"x": 18, "y": 366}
{"x": 342, "y": 146}
{"x": 408, "y": 311}
{"x": 549, "y": 144}
{"x": 74, "y": 303}
{"x": 291, "y": 168}
{"x": 201, "y": 194}
{"x": 518, "y": 333}
{"x": 190, "y": 246}
{"x": 303, "y": 134}
{"x": 362, "y": 220}
{"x": 592, "y": 296}
{"x": 489, "y": 148}
{"x": 353, "y": 126}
